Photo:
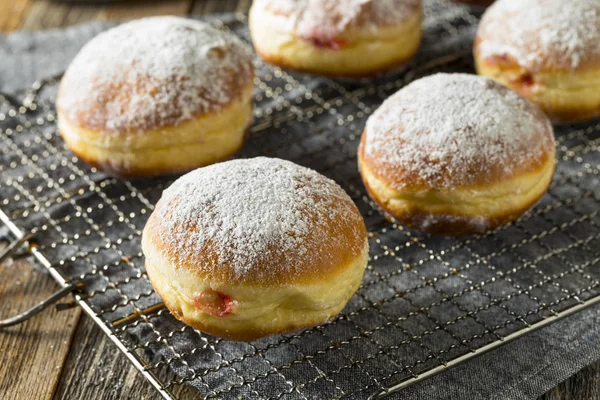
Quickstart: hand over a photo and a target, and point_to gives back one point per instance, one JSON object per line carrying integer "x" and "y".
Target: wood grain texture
{"x": 137, "y": 9}
{"x": 12, "y": 13}
{"x": 95, "y": 368}
{"x": 34, "y": 352}
{"x": 45, "y": 14}
{"x": 585, "y": 385}
{"x": 211, "y": 7}
{"x": 64, "y": 355}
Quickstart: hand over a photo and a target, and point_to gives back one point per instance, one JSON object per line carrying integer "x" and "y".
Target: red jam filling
{"x": 524, "y": 84}
{"x": 213, "y": 302}
{"x": 333, "y": 44}
{"x": 527, "y": 80}
{"x": 501, "y": 60}
{"x": 323, "y": 41}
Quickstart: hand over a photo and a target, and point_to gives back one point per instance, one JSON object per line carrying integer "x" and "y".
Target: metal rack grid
{"x": 426, "y": 303}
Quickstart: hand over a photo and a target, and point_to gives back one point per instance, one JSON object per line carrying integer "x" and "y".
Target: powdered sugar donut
{"x": 248, "y": 248}
{"x": 457, "y": 154}
{"x": 547, "y": 50}
{"x": 336, "y": 37}
{"x": 157, "y": 95}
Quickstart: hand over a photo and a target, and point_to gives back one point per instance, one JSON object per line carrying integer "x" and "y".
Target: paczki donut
{"x": 155, "y": 96}
{"x": 248, "y": 248}
{"x": 457, "y": 154}
{"x": 547, "y": 50}
{"x": 336, "y": 37}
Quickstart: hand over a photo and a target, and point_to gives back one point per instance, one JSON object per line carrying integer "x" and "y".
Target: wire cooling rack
{"x": 426, "y": 303}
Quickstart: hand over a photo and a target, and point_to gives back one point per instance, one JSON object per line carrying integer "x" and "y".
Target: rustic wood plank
{"x": 44, "y": 14}
{"x": 79, "y": 14}
{"x": 96, "y": 368}
{"x": 12, "y": 13}
{"x": 583, "y": 385}
{"x": 34, "y": 352}
{"x": 137, "y": 9}
{"x": 203, "y": 7}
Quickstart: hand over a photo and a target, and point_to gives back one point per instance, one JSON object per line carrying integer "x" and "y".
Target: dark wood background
{"x": 63, "y": 355}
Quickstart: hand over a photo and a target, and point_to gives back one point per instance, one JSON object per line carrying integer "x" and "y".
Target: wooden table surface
{"x": 64, "y": 355}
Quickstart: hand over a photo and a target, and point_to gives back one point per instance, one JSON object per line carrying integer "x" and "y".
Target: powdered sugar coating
{"x": 542, "y": 34}
{"x": 327, "y": 19}
{"x": 455, "y": 130}
{"x": 153, "y": 72}
{"x": 254, "y": 219}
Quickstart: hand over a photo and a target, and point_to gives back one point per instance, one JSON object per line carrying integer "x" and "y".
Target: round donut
{"x": 457, "y": 154}
{"x": 336, "y": 37}
{"x": 547, "y": 50}
{"x": 156, "y": 96}
{"x": 248, "y": 248}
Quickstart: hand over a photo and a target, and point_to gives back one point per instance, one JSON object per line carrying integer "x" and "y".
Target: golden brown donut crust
{"x": 328, "y": 244}
{"x": 319, "y": 19}
{"x": 386, "y": 69}
{"x": 449, "y": 222}
{"x": 337, "y": 38}
{"x": 547, "y": 50}
{"x": 482, "y": 170}
{"x": 136, "y": 170}
{"x": 201, "y": 141}
{"x": 395, "y": 175}
{"x": 92, "y": 115}
{"x": 456, "y": 154}
{"x": 346, "y": 243}
{"x": 249, "y": 248}
{"x": 320, "y": 303}
{"x": 564, "y": 95}
{"x": 542, "y": 34}
{"x": 152, "y": 73}
{"x": 245, "y": 335}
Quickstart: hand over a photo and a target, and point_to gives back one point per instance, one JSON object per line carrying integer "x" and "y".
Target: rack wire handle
{"x": 14, "y": 245}
{"x": 24, "y": 316}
